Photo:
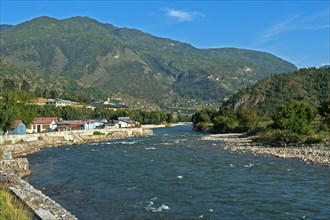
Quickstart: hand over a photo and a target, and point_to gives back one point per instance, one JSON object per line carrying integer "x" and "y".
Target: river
{"x": 175, "y": 175}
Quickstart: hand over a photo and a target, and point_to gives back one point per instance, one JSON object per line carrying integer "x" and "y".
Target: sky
{"x": 297, "y": 31}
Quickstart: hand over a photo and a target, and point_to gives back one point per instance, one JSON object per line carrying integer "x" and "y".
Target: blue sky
{"x": 297, "y": 31}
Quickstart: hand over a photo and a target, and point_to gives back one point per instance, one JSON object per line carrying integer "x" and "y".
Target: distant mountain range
{"x": 325, "y": 67}
{"x": 310, "y": 85}
{"x": 4, "y": 27}
{"x": 131, "y": 64}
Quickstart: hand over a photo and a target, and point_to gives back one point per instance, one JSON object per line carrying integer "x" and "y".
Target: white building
{"x": 59, "y": 102}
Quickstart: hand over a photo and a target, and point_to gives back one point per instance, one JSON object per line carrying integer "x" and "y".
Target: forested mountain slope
{"x": 134, "y": 65}
{"x": 309, "y": 85}
{"x": 43, "y": 85}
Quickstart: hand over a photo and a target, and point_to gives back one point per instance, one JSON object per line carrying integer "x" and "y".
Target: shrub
{"x": 324, "y": 111}
{"x": 281, "y": 136}
{"x": 248, "y": 118}
{"x": 203, "y": 126}
{"x": 1, "y": 153}
{"x": 295, "y": 117}
{"x": 98, "y": 133}
{"x": 224, "y": 124}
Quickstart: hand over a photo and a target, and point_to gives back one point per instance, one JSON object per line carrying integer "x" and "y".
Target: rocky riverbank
{"x": 317, "y": 153}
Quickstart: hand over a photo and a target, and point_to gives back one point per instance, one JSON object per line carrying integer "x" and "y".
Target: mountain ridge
{"x": 128, "y": 62}
{"x": 310, "y": 85}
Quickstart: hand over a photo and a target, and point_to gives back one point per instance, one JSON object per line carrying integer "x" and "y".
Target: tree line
{"x": 292, "y": 122}
{"x": 19, "y": 105}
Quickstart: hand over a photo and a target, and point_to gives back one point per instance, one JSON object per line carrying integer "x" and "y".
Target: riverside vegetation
{"x": 285, "y": 115}
{"x": 16, "y": 104}
{"x": 12, "y": 208}
{"x": 277, "y": 112}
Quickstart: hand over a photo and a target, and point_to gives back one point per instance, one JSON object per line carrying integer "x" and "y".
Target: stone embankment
{"x": 318, "y": 154}
{"x": 43, "y": 207}
{"x": 22, "y": 145}
{"x": 12, "y": 166}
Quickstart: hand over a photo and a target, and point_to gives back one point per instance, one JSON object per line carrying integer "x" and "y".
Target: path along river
{"x": 176, "y": 175}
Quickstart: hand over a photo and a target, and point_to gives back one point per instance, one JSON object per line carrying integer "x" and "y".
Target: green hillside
{"x": 4, "y": 27}
{"x": 309, "y": 85}
{"x": 43, "y": 85}
{"x": 134, "y": 65}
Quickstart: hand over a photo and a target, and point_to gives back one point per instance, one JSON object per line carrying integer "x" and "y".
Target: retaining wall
{"x": 11, "y": 169}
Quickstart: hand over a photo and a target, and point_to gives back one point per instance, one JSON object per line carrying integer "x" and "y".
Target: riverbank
{"x": 13, "y": 166}
{"x": 316, "y": 153}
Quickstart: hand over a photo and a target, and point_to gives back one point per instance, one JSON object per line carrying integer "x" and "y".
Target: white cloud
{"x": 182, "y": 16}
{"x": 312, "y": 22}
{"x": 280, "y": 27}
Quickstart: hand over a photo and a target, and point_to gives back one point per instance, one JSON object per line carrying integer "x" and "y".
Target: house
{"x": 94, "y": 124}
{"x": 107, "y": 105}
{"x": 123, "y": 124}
{"x": 18, "y": 127}
{"x": 126, "y": 123}
{"x": 116, "y": 124}
{"x": 59, "y": 102}
{"x": 73, "y": 125}
{"x": 42, "y": 124}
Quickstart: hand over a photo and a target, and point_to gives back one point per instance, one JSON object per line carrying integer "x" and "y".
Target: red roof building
{"x": 42, "y": 124}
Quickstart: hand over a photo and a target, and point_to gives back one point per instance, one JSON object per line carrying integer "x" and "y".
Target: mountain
{"x": 42, "y": 84}
{"x": 135, "y": 65}
{"x": 309, "y": 85}
{"x": 4, "y": 27}
{"x": 325, "y": 67}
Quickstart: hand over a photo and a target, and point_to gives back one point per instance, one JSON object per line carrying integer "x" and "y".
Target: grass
{"x": 286, "y": 136}
{"x": 1, "y": 153}
{"x": 98, "y": 133}
{"x": 12, "y": 208}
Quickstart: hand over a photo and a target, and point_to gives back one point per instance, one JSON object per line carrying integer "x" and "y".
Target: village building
{"x": 95, "y": 124}
{"x": 58, "y": 102}
{"x": 18, "y": 127}
{"x": 73, "y": 125}
{"x": 43, "y": 124}
{"x": 122, "y": 122}
{"x": 108, "y": 105}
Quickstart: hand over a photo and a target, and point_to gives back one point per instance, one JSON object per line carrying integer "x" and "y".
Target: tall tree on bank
{"x": 295, "y": 117}
{"x": 16, "y": 105}
{"x": 325, "y": 112}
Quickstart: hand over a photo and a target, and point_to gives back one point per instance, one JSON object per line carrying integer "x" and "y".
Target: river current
{"x": 175, "y": 175}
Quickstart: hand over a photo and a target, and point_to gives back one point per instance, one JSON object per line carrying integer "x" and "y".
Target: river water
{"x": 175, "y": 175}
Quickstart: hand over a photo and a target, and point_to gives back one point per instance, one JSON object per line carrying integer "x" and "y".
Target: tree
{"x": 248, "y": 118}
{"x": 223, "y": 123}
{"x": 170, "y": 118}
{"x": 324, "y": 111}
{"x": 202, "y": 116}
{"x": 25, "y": 86}
{"x": 295, "y": 117}
{"x": 184, "y": 118}
{"x": 16, "y": 105}
{"x": 9, "y": 84}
